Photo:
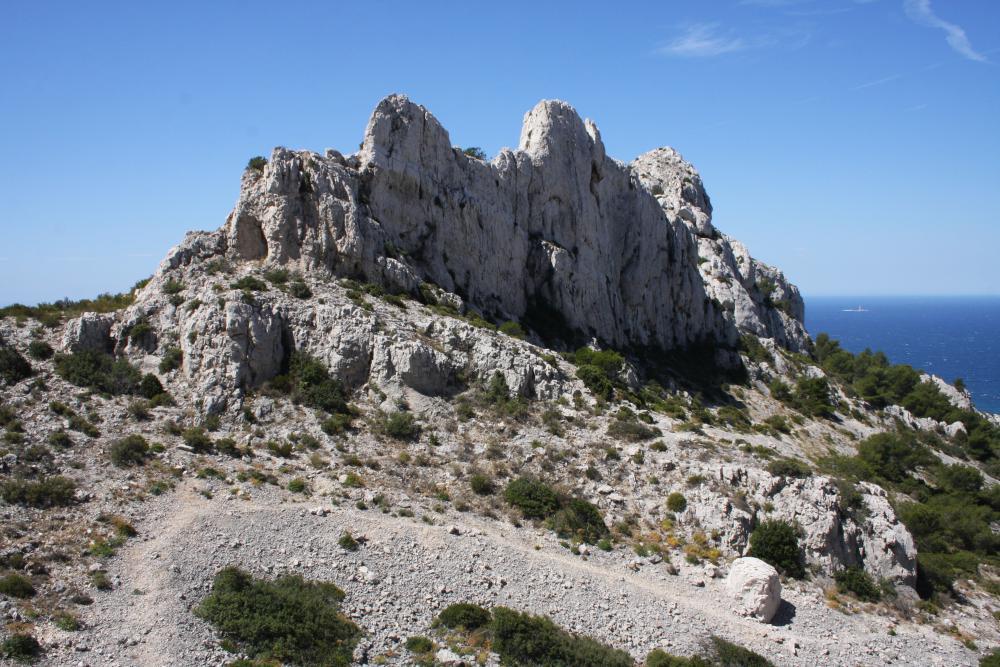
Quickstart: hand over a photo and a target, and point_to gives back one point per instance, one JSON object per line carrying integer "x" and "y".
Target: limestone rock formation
{"x": 556, "y": 234}
{"x": 755, "y": 587}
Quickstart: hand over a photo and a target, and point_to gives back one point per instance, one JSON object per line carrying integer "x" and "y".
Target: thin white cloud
{"x": 702, "y": 40}
{"x": 920, "y": 12}
{"x": 877, "y": 82}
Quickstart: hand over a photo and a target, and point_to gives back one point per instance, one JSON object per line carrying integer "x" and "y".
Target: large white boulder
{"x": 756, "y": 588}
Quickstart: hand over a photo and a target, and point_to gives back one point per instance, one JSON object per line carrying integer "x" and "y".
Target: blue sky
{"x": 854, "y": 144}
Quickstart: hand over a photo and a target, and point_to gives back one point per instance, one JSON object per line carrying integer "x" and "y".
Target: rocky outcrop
{"x": 833, "y": 536}
{"x": 555, "y": 234}
{"x": 755, "y": 587}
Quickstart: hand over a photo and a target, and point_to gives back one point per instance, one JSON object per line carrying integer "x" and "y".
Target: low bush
{"x": 39, "y": 349}
{"x": 288, "y": 619}
{"x": 60, "y": 439}
{"x": 16, "y": 586}
{"x": 579, "y": 520}
{"x": 777, "y": 543}
{"x": 132, "y": 450}
{"x": 197, "y": 439}
{"x": 660, "y": 658}
{"x": 299, "y": 290}
{"x": 463, "y": 615}
{"x": 728, "y": 654}
{"x": 99, "y": 371}
{"x": 788, "y": 468}
{"x": 858, "y": 582}
{"x": 398, "y": 425}
{"x": 250, "y": 284}
{"x": 13, "y": 367}
{"x": 481, "y": 485}
{"x": 676, "y": 502}
{"x": 523, "y": 639}
{"x": 419, "y": 644}
{"x": 347, "y": 542}
{"x": 631, "y": 429}
{"x": 257, "y": 163}
{"x": 55, "y": 491}
{"x": 534, "y": 498}
{"x": 21, "y": 647}
{"x": 172, "y": 359}
{"x": 297, "y": 485}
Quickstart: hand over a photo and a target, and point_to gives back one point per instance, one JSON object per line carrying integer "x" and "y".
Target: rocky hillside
{"x": 544, "y": 383}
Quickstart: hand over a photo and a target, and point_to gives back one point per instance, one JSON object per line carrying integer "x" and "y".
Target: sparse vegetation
{"x": 21, "y": 647}
{"x": 16, "y": 586}
{"x": 398, "y": 425}
{"x": 40, "y": 350}
{"x": 524, "y": 639}
{"x": 463, "y": 615}
{"x": 676, "y": 502}
{"x": 13, "y": 367}
{"x": 99, "y": 371}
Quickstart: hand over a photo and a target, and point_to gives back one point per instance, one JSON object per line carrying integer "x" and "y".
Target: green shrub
{"x": 60, "y": 439}
{"x": 277, "y": 276}
{"x": 288, "y": 619}
{"x": 475, "y": 152}
{"x": 481, "y": 485}
{"x": 512, "y": 329}
{"x": 785, "y": 467}
{"x": 777, "y": 543}
{"x": 39, "y": 349}
{"x": 257, "y": 163}
{"x": 173, "y": 287}
{"x": 21, "y": 647}
{"x": 523, "y": 639}
{"x": 16, "y": 586}
{"x": 336, "y": 424}
{"x": 249, "y": 283}
{"x": 398, "y": 425}
{"x": 580, "y": 520}
{"x": 660, "y": 658}
{"x": 676, "y": 502}
{"x": 463, "y": 615}
{"x": 991, "y": 660}
{"x": 419, "y": 644}
{"x": 728, "y": 654}
{"x": 348, "y": 542}
{"x": 855, "y": 580}
{"x": 99, "y": 371}
{"x": 308, "y": 383}
{"x": 55, "y": 491}
{"x": 534, "y": 498}
{"x": 297, "y": 485}
{"x": 132, "y": 450}
{"x": 172, "y": 359}
{"x": 197, "y": 439}
{"x": 596, "y": 380}
{"x": 893, "y": 456}
{"x": 632, "y": 430}
{"x": 13, "y": 367}
{"x": 299, "y": 290}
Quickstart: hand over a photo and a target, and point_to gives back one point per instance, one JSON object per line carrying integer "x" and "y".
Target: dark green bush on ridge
{"x": 523, "y": 639}
{"x": 777, "y": 543}
{"x": 855, "y": 580}
{"x": 308, "y": 382}
{"x": 39, "y": 349}
{"x": 463, "y": 615}
{"x": 13, "y": 367}
{"x": 132, "y": 450}
{"x": 47, "y": 492}
{"x": 99, "y": 371}
{"x": 534, "y": 498}
{"x": 21, "y": 647}
{"x": 288, "y": 619}
{"x": 580, "y": 520}
{"x": 16, "y": 586}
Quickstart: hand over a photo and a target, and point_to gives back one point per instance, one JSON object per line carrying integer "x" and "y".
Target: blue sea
{"x": 952, "y": 337}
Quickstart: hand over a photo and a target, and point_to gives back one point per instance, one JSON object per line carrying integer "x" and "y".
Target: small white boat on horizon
{"x": 859, "y": 309}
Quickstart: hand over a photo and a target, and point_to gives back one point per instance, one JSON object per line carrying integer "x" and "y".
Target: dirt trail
{"x": 415, "y": 569}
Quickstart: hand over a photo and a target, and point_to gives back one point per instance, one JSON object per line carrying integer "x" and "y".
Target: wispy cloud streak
{"x": 920, "y": 12}
{"x": 702, "y": 40}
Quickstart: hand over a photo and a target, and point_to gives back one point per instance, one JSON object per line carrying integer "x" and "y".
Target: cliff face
{"x": 625, "y": 254}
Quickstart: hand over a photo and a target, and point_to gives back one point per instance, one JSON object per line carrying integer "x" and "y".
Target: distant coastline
{"x": 949, "y": 336}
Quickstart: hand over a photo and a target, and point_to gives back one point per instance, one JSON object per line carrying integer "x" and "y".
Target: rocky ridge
{"x": 392, "y": 268}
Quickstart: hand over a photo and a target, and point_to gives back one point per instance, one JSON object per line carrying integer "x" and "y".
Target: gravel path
{"x": 407, "y": 570}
